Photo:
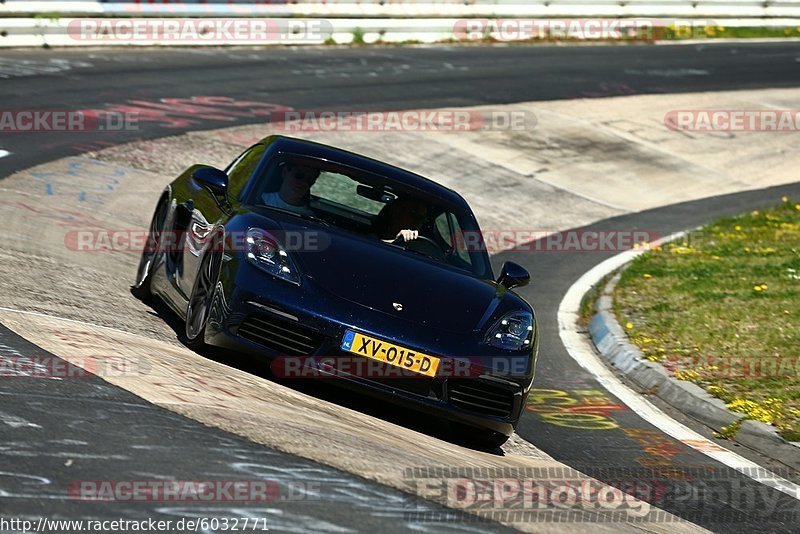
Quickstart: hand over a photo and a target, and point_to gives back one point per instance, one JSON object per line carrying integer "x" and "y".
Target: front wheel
{"x": 201, "y": 298}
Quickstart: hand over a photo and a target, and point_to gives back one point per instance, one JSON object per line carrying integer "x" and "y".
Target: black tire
{"x": 144, "y": 273}
{"x": 479, "y": 438}
{"x": 199, "y": 307}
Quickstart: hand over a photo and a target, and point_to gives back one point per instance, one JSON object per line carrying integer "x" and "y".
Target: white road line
{"x": 4, "y": 153}
{"x": 582, "y": 351}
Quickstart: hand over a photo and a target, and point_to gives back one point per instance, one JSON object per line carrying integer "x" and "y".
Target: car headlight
{"x": 513, "y": 332}
{"x": 264, "y": 252}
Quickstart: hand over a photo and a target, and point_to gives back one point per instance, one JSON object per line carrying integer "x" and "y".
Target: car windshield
{"x": 373, "y": 206}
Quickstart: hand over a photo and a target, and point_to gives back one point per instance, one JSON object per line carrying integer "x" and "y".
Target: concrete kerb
{"x": 617, "y": 351}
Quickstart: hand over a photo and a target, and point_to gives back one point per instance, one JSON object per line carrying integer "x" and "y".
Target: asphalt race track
{"x": 125, "y": 438}
{"x": 132, "y": 439}
{"x": 368, "y": 79}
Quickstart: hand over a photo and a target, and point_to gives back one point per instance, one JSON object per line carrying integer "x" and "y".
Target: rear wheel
{"x": 201, "y": 298}
{"x": 149, "y": 258}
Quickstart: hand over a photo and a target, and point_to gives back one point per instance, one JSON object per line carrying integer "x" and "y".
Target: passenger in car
{"x": 294, "y": 191}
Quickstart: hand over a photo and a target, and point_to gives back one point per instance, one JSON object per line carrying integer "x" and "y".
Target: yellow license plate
{"x": 384, "y": 351}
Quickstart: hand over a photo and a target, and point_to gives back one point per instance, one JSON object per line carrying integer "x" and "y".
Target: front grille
{"x": 481, "y": 397}
{"x": 286, "y": 337}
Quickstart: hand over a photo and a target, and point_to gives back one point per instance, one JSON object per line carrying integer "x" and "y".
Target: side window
{"x": 443, "y": 228}
{"x": 241, "y": 169}
{"x": 450, "y": 232}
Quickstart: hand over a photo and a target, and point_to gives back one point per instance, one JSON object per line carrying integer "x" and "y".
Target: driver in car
{"x": 401, "y": 220}
{"x": 295, "y": 186}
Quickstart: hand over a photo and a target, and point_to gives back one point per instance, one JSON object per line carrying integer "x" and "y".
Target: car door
{"x": 209, "y": 213}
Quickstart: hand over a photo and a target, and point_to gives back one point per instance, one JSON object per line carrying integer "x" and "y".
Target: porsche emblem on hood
{"x": 397, "y": 306}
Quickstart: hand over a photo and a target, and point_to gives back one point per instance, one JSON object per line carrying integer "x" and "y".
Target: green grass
{"x": 358, "y": 37}
{"x": 723, "y": 32}
{"x": 666, "y": 33}
{"x": 589, "y": 300}
{"x": 722, "y": 309}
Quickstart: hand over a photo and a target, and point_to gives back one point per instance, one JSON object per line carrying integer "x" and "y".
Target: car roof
{"x": 302, "y": 147}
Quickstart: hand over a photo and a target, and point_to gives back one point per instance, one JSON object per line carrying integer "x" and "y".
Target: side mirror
{"x": 212, "y": 179}
{"x": 513, "y": 275}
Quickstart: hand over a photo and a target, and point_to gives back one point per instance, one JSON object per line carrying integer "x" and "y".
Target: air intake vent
{"x": 481, "y": 397}
{"x": 288, "y": 338}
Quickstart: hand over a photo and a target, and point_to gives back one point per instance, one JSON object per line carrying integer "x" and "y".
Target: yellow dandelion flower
{"x": 647, "y": 276}
{"x": 688, "y": 374}
{"x": 797, "y": 207}
{"x": 756, "y": 288}
{"x": 629, "y": 325}
{"x": 764, "y": 287}
{"x": 738, "y": 228}
{"x": 784, "y": 199}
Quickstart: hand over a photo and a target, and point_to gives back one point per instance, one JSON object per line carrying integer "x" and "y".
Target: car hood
{"x": 379, "y": 277}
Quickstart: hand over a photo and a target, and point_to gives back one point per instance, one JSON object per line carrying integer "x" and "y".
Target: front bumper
{"x": 289, "y": 325}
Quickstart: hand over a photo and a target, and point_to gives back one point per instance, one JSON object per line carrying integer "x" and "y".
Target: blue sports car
{"x": 331, "y": 264}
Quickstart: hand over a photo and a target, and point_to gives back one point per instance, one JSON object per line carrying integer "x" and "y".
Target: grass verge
{"x": 722, "y": 309}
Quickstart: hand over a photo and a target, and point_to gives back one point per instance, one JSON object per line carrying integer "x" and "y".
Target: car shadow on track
{"x": 324, "y": 389}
